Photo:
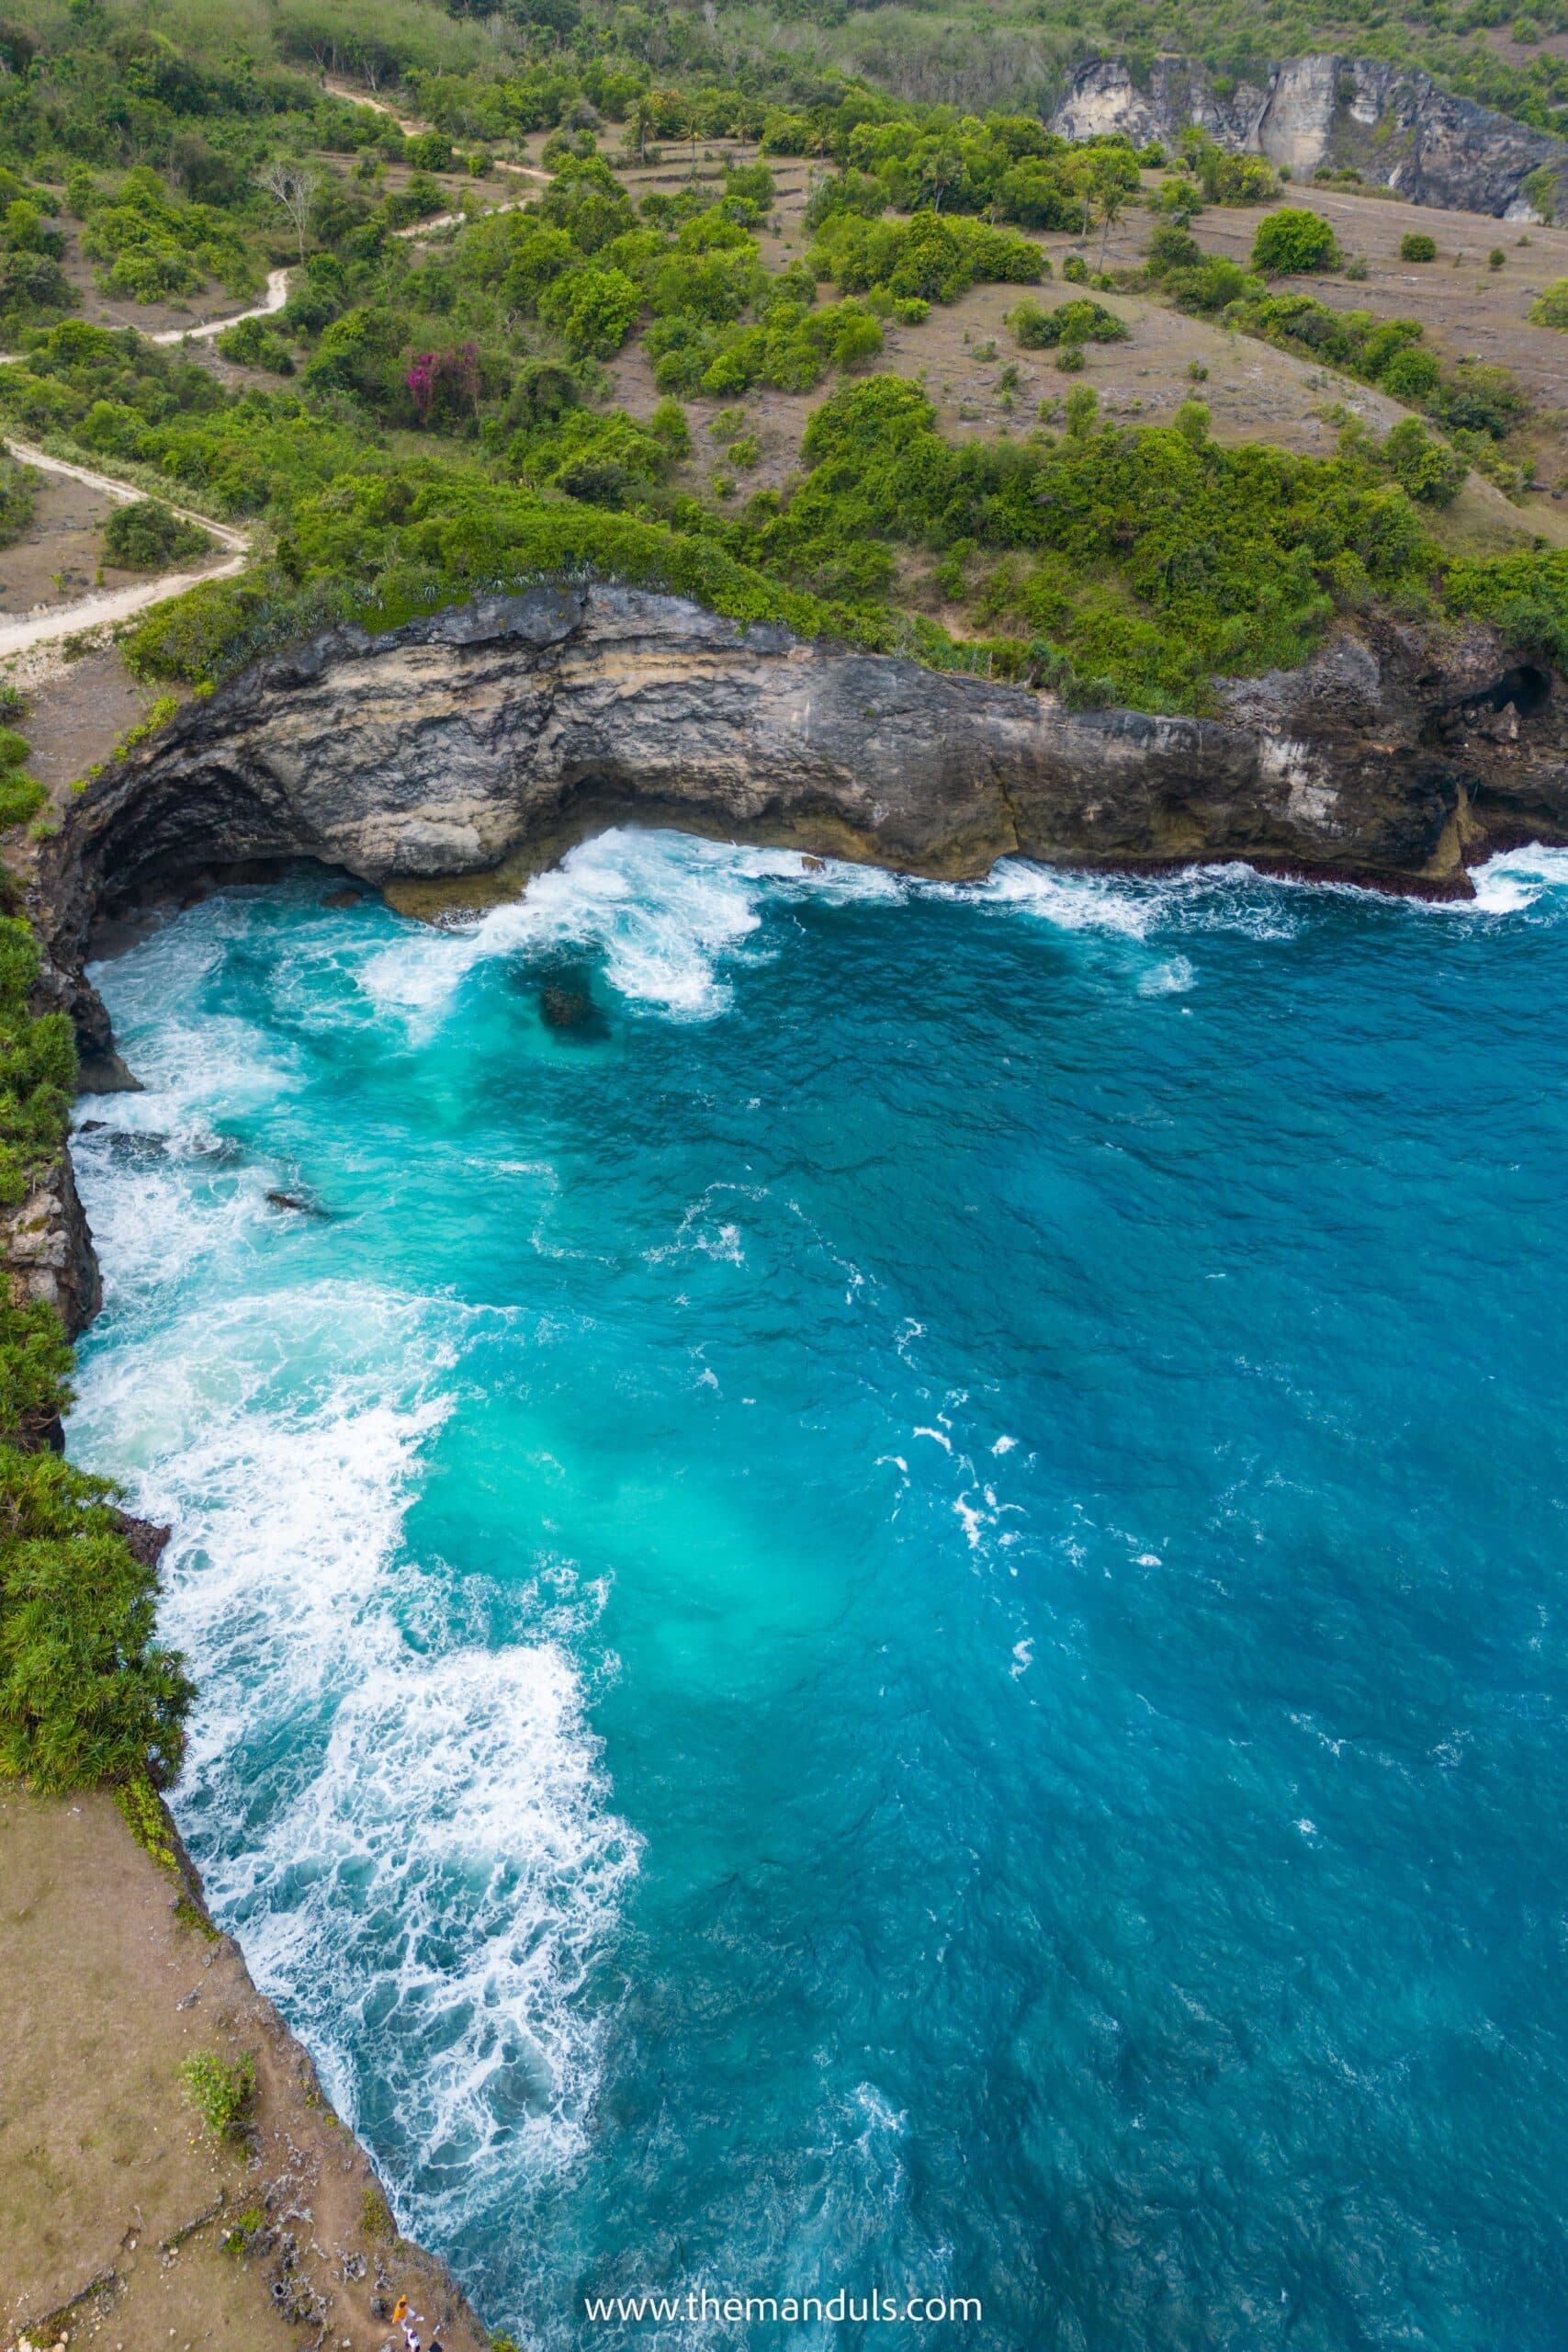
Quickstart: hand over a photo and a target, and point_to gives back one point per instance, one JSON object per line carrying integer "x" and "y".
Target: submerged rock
{"x": 297, "y": 1202}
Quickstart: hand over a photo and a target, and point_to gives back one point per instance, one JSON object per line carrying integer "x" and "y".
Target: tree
{"x": 1291, "y": 241}
{"x": 1113, "y": 202}
{"x": 292, "y": 186}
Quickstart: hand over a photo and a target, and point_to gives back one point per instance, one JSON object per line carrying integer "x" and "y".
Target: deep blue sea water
{"x": 895, "y": 1617}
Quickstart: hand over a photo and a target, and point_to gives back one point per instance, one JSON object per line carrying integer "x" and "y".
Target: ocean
{"x": 879, "y": 1576}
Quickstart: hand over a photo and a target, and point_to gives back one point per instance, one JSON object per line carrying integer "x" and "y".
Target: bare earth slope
{"x": 114, "y": 2203}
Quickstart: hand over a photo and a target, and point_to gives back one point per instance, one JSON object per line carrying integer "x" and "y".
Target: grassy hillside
{"x": 431, "y": 411}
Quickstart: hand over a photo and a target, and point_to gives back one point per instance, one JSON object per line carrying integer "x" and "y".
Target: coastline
{"x": 122, "y": 1952}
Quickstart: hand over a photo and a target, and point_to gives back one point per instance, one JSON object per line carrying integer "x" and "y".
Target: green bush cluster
{"x": 1008, "y": 167}
{"x": 18, "y": 496}
{"x": 1551, "y": 308}
{"x": 251, "y": 342}
{"x": 1294, "y": 240}
{"x": 1478, "y": 405}
{"x": 1416, "y": 245}
{"x": 930, "y": 257}
{"x": 1156, "y": 557}
{"x": 153, "y": 247}
{"x": 1081, "y": 321}
{"x": 150, "y": 536}
{"x": 1226, "y": 178}
{"x": 1524, "y": 595}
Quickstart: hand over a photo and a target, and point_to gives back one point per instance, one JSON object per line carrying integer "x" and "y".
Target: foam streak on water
{"x": 892, "y": 1616}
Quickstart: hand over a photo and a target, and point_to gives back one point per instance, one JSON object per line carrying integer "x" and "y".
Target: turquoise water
{"x": 894, "y": 1616}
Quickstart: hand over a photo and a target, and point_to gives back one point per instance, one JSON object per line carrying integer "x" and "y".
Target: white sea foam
{"x": 1509, "y": 883}
{"x": 1171, "y": 979}
{"x": 429, "y": 1862}
{"x": 661, "y": 909}
{"x": 1067, "y": 901}
{"x": 432, "y": 1863}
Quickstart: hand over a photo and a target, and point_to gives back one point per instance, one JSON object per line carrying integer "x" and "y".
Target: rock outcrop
{"x": 1392, "y": 123}
{"x": 501, "y": 730}
{"x": 48, "y": 1251}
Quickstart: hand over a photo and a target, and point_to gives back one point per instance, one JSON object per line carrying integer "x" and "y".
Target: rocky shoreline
{"x": 473, "y": 746}
{"x": 446, "y": 761}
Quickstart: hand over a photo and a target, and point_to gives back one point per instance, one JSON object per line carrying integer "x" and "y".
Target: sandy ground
{"x": 114, "y": 2202}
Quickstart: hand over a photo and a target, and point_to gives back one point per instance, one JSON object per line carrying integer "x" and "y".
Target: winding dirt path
{"x": 102, "y": 610}
{"x": 105, "y": 608}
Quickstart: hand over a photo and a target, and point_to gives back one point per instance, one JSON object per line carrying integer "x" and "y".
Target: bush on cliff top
{"x": 86, "y": 1691}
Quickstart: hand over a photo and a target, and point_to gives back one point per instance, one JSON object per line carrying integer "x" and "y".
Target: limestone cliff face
{"x": 47, "y": 1250}
{"x": 1392, "y": 122}
{"x": 501, "y": 730}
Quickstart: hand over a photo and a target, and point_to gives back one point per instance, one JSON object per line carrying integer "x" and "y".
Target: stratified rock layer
{"x": 494, "y": 731}
{"x": 1393, "y": 122}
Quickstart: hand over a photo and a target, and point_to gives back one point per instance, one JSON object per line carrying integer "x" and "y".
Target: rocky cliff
{"x": 1392, "y": 122}
{"x": 499, "y": 731}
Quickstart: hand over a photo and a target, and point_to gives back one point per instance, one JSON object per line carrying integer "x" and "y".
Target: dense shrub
{"x": 1550, "y": 309}
{"x": 1082, "y": 320}
{"x": 88, "y": 1693}
{"x": 1525, "y": 597}
{"x": 1425, "y": 469}
{"x": 1292, "y": 240}
{"x": 934, "y": 258}
{"x": 150, "y": 536}
{"x": 1416, "y": 245}
{"x": 153, "y": 247}
{"x": 252, "y": 344}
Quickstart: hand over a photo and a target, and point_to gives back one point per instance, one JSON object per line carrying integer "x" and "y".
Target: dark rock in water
{"x": 107, "y": 1074}
{"x": 344, "y": 899}
{"x": 92, "y": 1127}
{"x": 813, "y": 866}
{"x": 297, "y": 1202}
{"x": 147, "y": 1541}
{"x": 565, "y": 1008}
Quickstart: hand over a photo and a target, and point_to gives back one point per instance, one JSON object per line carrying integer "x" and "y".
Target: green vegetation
{"x": 1416, "y": 245}
{"x": 1524, "y": 595}
{"x": 150, "y": 536}
{"x": 376, "y": 2220}
{"x": 88, "y": 1693}
{"x": 222, "y": 2092}
{"x": 145, "y": 1816}
{"x": 1292, "y": 240}
{"x": 18, "y": 492}
{"x": 1550, "y": 309}
{"x": 1477, "y": 406}
{"x": 1137, "y": 562}
{"x": 1078, "y": 322}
